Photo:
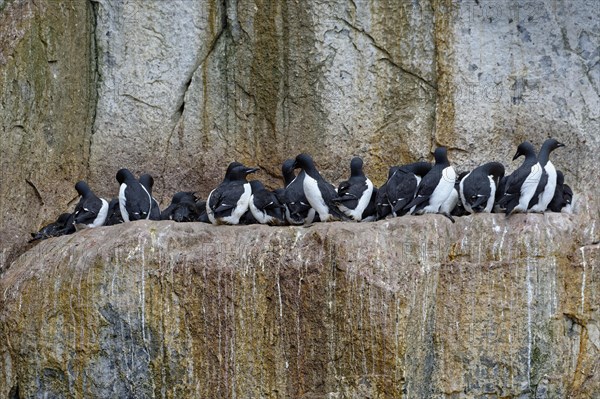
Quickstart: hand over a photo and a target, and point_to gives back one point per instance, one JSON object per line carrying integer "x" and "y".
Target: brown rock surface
{"x": 47, "y": 101}
{"x": 487, "y": 307}
{"x": 89, "y": 87}
{"x": 414, "y": 307}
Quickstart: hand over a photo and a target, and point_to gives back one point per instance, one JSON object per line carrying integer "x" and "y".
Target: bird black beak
{"x": 560, "y": 145}
{"x": 517, "y": 155}
{"x": 252, "y": 170}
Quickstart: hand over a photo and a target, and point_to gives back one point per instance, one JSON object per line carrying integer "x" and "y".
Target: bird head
{"x": 123, "y": 174}
{"x": 441, "y": 155}
{"x": 525, "y": 148}
{"x": 82, "y": 188}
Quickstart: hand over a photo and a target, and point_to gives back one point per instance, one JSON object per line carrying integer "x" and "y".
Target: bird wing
{"x": 87, "y": 210}
{"x": 426, "y": 188}
{"x": 295, "y": 200}
{"x": 227, "y": 199}
{"x": 476, "y": 188}
{"x": 401, "y": 190}
{"x": 328, "y": 192}
{"x": 137, "y": 202}
{"x": 350, "y": 193}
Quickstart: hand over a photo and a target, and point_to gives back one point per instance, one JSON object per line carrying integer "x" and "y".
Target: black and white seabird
{"x": 227, "y": 203}
{"x": 148, "y": 182}
{"x": 370, "y": 212}
{"x": 91, "y": 211}
{"x": 436, "y": 187}
{"x": 520, "y": 186}
{"x": 183, "y": 208}
{"x": 354, "y": 194}
{"x": 478, "y": 187}
{"x": 382, "y": 203}
{"x": 297, "y": 209}
{"x": 202, "y": 215}
{"x": 135, "y": 201}
{"x": 459, "y": 209}
{"x": 568, "y": 199}
{"x": 402, "y": 186}
{"x": 265, "y": 205}
{"x": 558, "y": 200}
{"x": 63, "y": 225}
{"x": 545, "y": 189}
{"x": 114, "y": 213}
{"x": 318, "y": 192}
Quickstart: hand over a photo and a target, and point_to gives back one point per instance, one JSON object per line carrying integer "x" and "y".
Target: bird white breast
{"x": 123, "y": 202}
{"x": 314, "y": 197}
{"x": 241, "y": 206}
{"x": 461, "y": 188}
{"x": 209, "y": 211}
{"x": 363, "y": 202}
{"x": 450, "y": 203}
{"x": 260, "y": 216}
{"x": 101, "y": 218}
{"x": 491, "y": 200}
{"x": 442, "y": 191}
{"x": 528, "y": 188}
{"x": 548, "y": 193}
{"x": 310, "y": 216}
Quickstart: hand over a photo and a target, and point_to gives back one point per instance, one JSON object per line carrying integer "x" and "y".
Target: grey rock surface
{"x": 185, "y": 87}
{"x": 180, "y": 88}
{"x": 47, "y": 102}
{"x": 413, "y": 307}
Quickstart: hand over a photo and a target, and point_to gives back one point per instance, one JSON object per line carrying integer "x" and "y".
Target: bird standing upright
{"x": 354, "y": 194}
{"x": 318, "y": 192}
{"x": 135, "y": 201}
{"x": 435, "y": 188}
{"x": 227, "y": 203}
{"x": 521, "y": 185}
{"x": 545, "y": 189}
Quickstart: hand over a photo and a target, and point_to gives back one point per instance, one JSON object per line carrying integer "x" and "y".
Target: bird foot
{"x": 448, "y": 216}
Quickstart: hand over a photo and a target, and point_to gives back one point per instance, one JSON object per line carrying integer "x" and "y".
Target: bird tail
{"x": 416, "y": 202}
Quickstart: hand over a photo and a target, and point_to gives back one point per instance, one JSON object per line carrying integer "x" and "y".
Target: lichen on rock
{"x": 414, "y": 306}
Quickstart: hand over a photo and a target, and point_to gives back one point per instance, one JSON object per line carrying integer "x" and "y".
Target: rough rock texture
{"x": 47, "y": 96}
{"x": 259, "y": 82}
{"x": 179, "y": 88}
{"x": 486, "y": 307}
{"x": 515, "y": 71}
{"x": 184, "y": 87}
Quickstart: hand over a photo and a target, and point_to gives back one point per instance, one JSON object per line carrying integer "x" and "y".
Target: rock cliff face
{"x": 180, "y": 88}
{"x": 47, "y": 104}
{"x": 414, "y": 307}
{"x": 259, "y": 82}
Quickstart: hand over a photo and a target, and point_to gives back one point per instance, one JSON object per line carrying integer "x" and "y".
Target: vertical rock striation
{"x": 259, "y": 82}
{"x": 185, "y": 87}
{"x": 47, "y": 105}
{"x": 414, "y": 307}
